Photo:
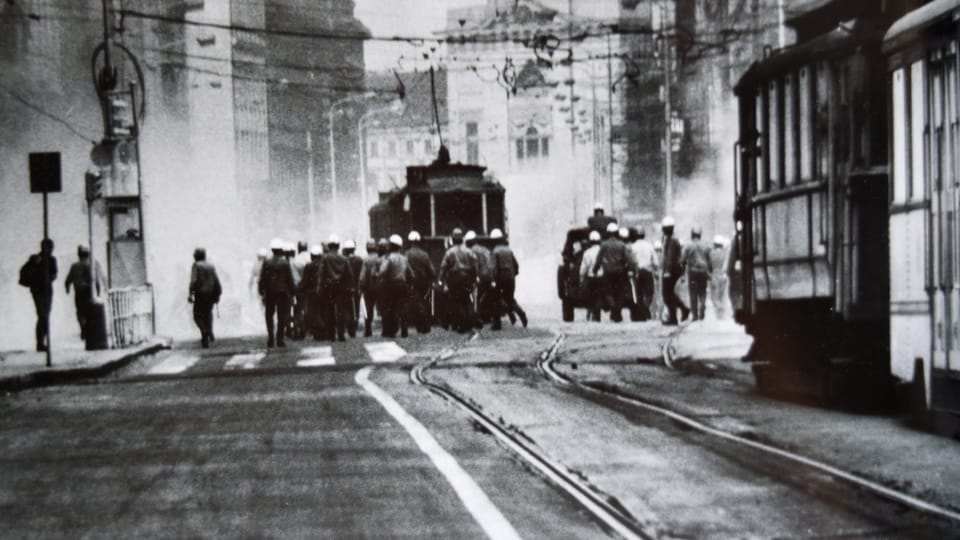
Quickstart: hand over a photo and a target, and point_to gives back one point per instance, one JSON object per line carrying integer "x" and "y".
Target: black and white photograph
{"x": 627, "y": 269}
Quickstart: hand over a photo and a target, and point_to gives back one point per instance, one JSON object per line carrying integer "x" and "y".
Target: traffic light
{"x": 94, "y": 185}
{"x": 120, "y": 117}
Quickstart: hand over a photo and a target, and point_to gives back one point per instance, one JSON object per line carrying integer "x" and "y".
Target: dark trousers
{"x": 356, "y": 311}
{"x": 279, "y": 305}
{"x": 42, "y": 303}
{"x": 485, "y": 300}
{"x": 314, "y": 319}
{"x": 369, "y": 303}
{"x": 299, "y": 316}
{"x": 594, "y": 290}
{"x": 82, "y": 299}
{"x": 418, "y": 309}
{"x": 697, "y": 282}
{"x": 463, "y": 318}
{"x": 203, "y": 317}
{"x": 671, "y": 300}
{"x": 614, "y": 287}
{"x": 505, "y": 303}
{"x": 645, "y": 292}
{"x": 393, "y": 299}
{"x": 340, "y": 317}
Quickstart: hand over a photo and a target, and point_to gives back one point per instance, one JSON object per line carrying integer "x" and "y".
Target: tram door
{"x": 943, "y": 137}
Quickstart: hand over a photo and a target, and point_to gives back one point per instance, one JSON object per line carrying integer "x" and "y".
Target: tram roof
{"x": 836, "y": 41}
{"x": 907, "y": 27}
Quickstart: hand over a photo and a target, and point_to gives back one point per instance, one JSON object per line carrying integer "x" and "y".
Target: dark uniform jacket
{"x": 421, "y": 267}
{"x": 461, "y": 262}
{"x": 204, "y": 283}
{"x": 356, "y": 265}
{"x": 672, "y": 253}
{"x": 395, "y": 270}
{"x": 337, "y": 272}
{"x": 505, "y": 266}
{"x": 484, "y": 262}
{"x": 33, "y": 270}
{"x": 368, "y": 272}
{"x": 310, "y": 282}
{"x": 276, "y": 277}
{"x": 613, "y": 257}
{"x": 696, "y": 257}
{"x": 599, "y": 223}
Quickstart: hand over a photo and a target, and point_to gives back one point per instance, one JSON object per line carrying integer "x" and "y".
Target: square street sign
{"x": 45, "y": 172}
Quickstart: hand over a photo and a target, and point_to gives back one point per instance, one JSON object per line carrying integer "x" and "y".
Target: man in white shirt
{"x": 645, "y": 263}
{"x": 590, "y": 277}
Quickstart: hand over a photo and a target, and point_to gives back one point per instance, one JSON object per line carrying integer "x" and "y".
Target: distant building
{"x": 398, "y": 138}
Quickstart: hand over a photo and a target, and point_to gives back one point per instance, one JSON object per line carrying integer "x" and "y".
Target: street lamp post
{"x": 333, "y": 155}
{"x": 394, "y": 108}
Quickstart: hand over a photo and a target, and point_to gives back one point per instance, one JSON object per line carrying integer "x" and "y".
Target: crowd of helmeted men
{"x": 325, "y": 291}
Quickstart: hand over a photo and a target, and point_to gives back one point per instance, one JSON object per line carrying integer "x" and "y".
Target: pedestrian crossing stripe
{"x": 316, "y": 356}
{"x": 385, "y": 351}
{"x": 244, "y": 361}
{"x": 176, "y": 363}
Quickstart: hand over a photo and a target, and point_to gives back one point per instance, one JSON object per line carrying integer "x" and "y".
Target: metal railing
{"x": 130, "y": 315}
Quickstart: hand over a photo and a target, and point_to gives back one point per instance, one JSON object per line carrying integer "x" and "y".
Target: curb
{"x": 38, "y": 379}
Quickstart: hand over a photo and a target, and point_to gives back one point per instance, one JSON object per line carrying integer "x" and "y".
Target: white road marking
{"x": 385, "y": 351}
{"x": 245, "y": 361}
{"x": 175, "y": 363}
{"x": 316, "y": 356}
{"x": 473, "y": 498}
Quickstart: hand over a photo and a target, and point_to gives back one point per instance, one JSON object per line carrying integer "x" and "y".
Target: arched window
{"x": 532, "y": 145}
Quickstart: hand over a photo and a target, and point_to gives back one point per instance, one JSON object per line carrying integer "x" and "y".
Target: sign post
{"x": 45, "y": 178}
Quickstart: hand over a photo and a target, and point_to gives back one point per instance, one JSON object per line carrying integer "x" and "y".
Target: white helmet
{"x": 414, "y": 236}
{"x": 718, "y": 240}
{"x": 262, "y": 253}
{"x": 594, "y": 236}
{"x": 598, "y": 206}
{"x": 624, "y": 233}
{"x": 276, "y": 244}
{"x": 667, "y": 222}
{"x": 612, "y": 228}
{"x": 316, "y": 250}
{"x": 349, "y": 244}
{"x": 334, "y": 240}
{"x": 469, "y": 236}
{"x": 396, "y": 240}
{"x": 496, "y": 234}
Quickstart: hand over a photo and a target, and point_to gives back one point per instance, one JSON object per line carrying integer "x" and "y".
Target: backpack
{"x": 27, "y": 272}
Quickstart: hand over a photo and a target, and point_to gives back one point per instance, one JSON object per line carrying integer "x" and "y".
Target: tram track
{"x": 546, "y": 364}
{"x": 606, "y": 510}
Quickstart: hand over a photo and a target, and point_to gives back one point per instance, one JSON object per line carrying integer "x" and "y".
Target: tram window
{"x": 900, "y": 136}
{"x": 774, "y": 138}
{"x": 951, "y": 114}
{"x": 805, "y": 117}
{"x": 762, "y": 157}
{"x": 789, "y": 131}
{"x": 917, "y": 128}
{"x": 822, "y": 120}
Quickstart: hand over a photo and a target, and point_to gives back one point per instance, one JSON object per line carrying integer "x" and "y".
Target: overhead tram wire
{"x": 77, "y": 132}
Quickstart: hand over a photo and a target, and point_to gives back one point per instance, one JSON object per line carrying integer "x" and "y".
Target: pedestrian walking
{"x": 262, "y": 255}
{"x": 368, "y": 285}
{"x": 338, "y": 284}
{"x": 205, "y": 291}
{"x": 484, "y": 276}
{"x": 423, "y": 275}
{"x": 672, "y": 270}
{"x": 276, "y": 288}
{"x": 458, "y": 273}
{"x": 39, "y": 279}
{"x": 395, "y": 278}
{"x": 313, "y": 316}
{"x": 615, "y": 261}
{"x": 504, "y": 285}
{"x": 356, "y": 266}
{"x": 590, "y": 276}
{"x": 87, "y": 280}
{"x": 645, "y": 265}
{"x": 718, "y": 276}
{"x": 696, "y": 261}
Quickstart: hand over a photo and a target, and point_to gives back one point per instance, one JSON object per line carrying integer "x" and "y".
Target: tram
{"x": 812, "y": 205}
{"x": 923, "y": 77}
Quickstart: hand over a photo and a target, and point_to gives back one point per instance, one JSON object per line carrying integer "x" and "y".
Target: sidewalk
{"x": 27, "y": 369}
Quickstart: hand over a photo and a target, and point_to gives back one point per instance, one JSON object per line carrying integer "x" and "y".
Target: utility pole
{"x": 573, "y": 116}
{"x": 310, "y": 187}
{"x": 613, "y": 210}
{"x": 668, "y": 119}
{"x": 333, "y": 168}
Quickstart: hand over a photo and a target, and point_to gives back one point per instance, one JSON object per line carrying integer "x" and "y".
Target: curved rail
{"x": 609, "y": 514}
{"x": 546, "y": 365}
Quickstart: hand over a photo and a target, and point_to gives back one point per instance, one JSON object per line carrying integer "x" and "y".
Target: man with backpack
{"x": 39, "y": 280}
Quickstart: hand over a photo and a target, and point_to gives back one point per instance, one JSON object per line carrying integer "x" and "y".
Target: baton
{"x": 633, "y": 290}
